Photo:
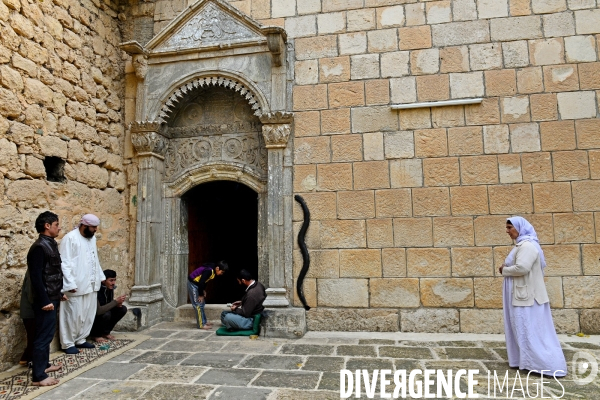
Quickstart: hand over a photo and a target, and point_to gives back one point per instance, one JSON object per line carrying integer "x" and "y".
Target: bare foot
{"x": 206, "y": 328}
{"x": 49, "y": 381}
{"x": 109, "y": 337}
{"x": 53, "y": 368}
{"x": 208, "y": 324}
{"x": 99, "y": 339}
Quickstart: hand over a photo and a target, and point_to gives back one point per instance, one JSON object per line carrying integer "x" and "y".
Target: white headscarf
{"x": 526, "y": 232}
{"x": 89, "y": 220}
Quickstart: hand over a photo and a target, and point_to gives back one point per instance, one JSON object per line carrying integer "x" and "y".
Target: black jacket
{"x": 252, "y": 300}
{"x": 106, "y": 301}
{"x": 45, "y": 273}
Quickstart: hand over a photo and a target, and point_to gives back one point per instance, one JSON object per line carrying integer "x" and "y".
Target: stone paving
{"x": 180, "y": 362}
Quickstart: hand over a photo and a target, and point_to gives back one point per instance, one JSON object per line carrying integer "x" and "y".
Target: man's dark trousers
{"x": 45, "y": 327}
{"x": 105, "y": 323}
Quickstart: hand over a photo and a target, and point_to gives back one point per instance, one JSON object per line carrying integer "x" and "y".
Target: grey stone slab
{"x": 417, "y": 353}
{"x": 192, "y": 335}
{"x": 465, "y": 353}
{"x": 228, "y": 377}
{"x": 342, "y": 341}
{"x": 237, "y": 393}
{"x": 215, "y": 360}
{"x": 128, "y": 355}
{"x": 116, "y": 390}
{"x": 288, "y": 379}
{"x": 365, "y": 351}
{"x": 494, "y": 344}
{"x": 191, "y": 325}
{"x": 253, "y": 346}
{"x": 406, "y": 364}
{"x": 452, "y": 364}
{"x": 68, "y": 389}
{"x": 377, "y": 341}
{"x": 161, "y": 357}
{"x": 151, "y": 344}
{"x": 272, "y": 362}
{"x": 369, "y": 363}
{"x": 330, "y": 381}
{"x": 191, "y": 346}
{"x": 456, "y": 343}
{"x": 113, "y": 371}
{"x": 501, "y": 352}
{"x": 307, "y": 349}
{"x": 159, "y": 333}
{"x": 170, "y": 373}
{"x": 169, "y": 391}
{"x": 316, "y": 363}
{"x": 583, "y": 345}
{"x": 290, "y": 394}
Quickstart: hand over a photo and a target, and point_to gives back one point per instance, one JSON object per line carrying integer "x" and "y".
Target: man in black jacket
{"x": 46, "y": 282}
{"x": 109, "y": 311}
{"x": 241, "y": 316}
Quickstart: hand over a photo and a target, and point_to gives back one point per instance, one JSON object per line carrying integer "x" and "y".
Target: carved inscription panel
{"x": 210, "y": 26}
{"x": 214, "y": 124}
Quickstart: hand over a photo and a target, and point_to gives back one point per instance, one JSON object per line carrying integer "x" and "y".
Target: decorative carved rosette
{"x": 146, "y": 138}
{"x": 276, "y": 135}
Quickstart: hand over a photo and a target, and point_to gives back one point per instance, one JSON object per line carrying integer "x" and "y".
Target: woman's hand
{"x": 501, "y": 268}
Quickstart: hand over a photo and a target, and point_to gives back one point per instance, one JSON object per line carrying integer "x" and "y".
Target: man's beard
{"x": 87, "y": 233}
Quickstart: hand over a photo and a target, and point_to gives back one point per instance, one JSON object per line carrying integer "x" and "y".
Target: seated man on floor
{"x": 109, "y": 311}
{"x": 241, "y": 316}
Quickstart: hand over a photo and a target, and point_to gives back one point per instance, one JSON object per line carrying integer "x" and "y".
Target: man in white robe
{"x": 82, "y": 277}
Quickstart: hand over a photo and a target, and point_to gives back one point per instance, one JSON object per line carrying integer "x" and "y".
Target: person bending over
{"x": 241, "y": 316}
{"x": 197, "y": 288}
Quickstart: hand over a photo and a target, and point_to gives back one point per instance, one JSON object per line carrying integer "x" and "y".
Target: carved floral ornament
{"x": 179, "y": 94}
{"x": 276, "y": 129}
{"x": 146, "y": 138}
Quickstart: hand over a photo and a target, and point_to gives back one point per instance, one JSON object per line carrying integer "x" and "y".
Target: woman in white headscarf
{"x": 531, "y": 340}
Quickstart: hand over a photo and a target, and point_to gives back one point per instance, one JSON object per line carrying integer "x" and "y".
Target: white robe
{"x": 81, "y": 271}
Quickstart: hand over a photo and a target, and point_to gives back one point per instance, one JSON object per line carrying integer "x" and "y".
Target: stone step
{"x": 187, "y": 313}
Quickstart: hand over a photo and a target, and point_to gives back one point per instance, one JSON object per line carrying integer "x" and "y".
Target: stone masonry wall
{"x": 61, "y": 95}
{"x": 409, "y": 207}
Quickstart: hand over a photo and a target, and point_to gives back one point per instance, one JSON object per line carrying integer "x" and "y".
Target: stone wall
{"x": 61, "y": 95}
{"x": 408, "y": 207}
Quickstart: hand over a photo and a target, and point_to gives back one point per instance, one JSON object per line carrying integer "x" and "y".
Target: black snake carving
{"x": 305, "y": 255}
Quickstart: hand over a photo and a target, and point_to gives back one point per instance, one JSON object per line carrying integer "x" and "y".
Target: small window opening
{"x": 55, "y": 169}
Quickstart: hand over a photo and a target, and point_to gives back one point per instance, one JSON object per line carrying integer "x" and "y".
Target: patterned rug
{"x": 16, "y": 384}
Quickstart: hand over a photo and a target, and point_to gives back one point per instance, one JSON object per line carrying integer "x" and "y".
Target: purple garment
{"x": 198, "y": 272}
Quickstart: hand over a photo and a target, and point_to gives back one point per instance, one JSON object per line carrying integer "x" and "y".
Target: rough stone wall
{"x": 61, "y": 95}
{"x": 409, "y": 207}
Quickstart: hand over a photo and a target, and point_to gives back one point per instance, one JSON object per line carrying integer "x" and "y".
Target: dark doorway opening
{"x": 223, "y": 225}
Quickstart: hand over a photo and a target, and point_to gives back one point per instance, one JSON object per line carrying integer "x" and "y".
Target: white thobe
{"x": 81, "y": 271}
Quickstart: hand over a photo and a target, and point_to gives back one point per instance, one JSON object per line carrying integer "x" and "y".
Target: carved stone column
{"x": 150, "y": 145}
{"x": 276, "y": 132}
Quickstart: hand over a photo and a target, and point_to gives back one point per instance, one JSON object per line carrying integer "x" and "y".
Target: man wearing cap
{"x": 82, "y": 277}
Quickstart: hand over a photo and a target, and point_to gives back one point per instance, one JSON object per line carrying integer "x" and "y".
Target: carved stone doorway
{"x": 223, "y": 225}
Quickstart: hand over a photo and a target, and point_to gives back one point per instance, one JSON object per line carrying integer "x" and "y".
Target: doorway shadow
{"x": 223, "y": 225}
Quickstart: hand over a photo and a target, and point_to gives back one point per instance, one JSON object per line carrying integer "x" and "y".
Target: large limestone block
{"x": 336, "y": 176}
{"x": 472, "y": 261}
{"x": 481, "y": 321}
{"x": 413, "y": 232}
{"x": 458, "y": 33}
{"x": 574, "y": 228}
{"x": 553, "y": 197}
{"x": 582, "y": 291}
{"x": 344, "y": 234}
{"x": 393, "y": 203}
{"x": 35, "y": 167}
{"x": 9, "y": 104}
{"x": 431, "y": 201}
{"x": 567, "y": 321}
{"x": 345, "y": 293}
{"x": 97, "y": 176}
{"x": 576, "y": 105}
{"x": 356, "y": 204}
{"x": 310, "y": 150}
{"x": 555, "y": 291}
{"x": 399, "y": 144}
{"x": 428, "y": 262}
{"x": 515, "y": 28}
{"x": 371, "y": 175}
{"x": 310, "y": 97}
{"x": 323, "y": 263}
{"x": 352, "y": 320}
{"x": 491, "y": 231}
{"x": 380, "y": 233}
{"x": 360, "y": 263}
{"x": 590, "y": 322}
{"x": 441, "y": 171}
{"x": 9, "y": 158}
{"x": 406, "y": 173}
{"x": 475, "y": 170}
{"x": 34, "y": 191}
{"x": 394, "y": 293}
{"x": 469, "y": 200}
{"x": 585, "y": 195}
{"x": 53, "y": 146}
{"x": 346, "y": 94}
{"x": 465, "y": 141}
{"x": 562, "y": 260}
{"x": 393, "y": 262}
{"x": 430, "y": 320}
{"x": 284, "y": 323}
{"x": 591, "y": 259}
{"x": 488, "y": 292}
{"x": 109, "y": 201}
{"x": 510, "y": 199}
{"x": 453, "y": 231}
{"x": 346, "y": 148}
{"x": 450, "y": 292}
{"x": 370, "y": 119}
{"x": 321, "y": 205}
{"x": 587, "y": 133}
